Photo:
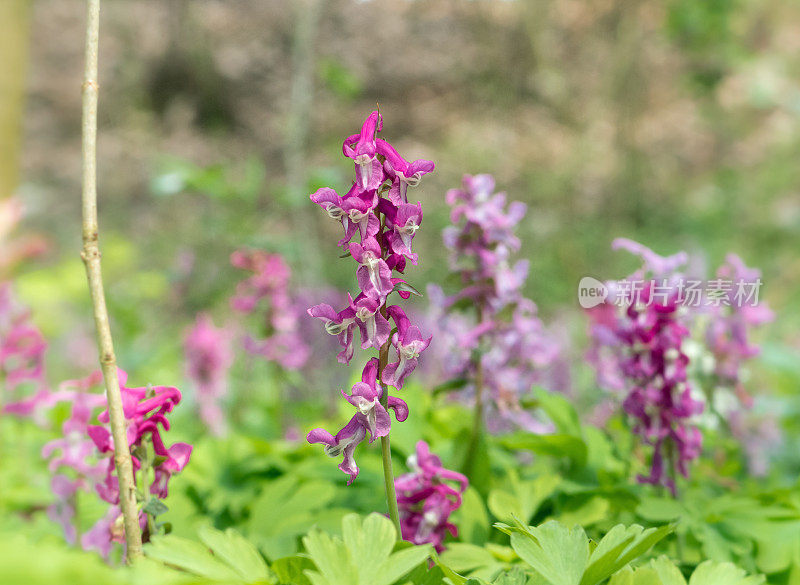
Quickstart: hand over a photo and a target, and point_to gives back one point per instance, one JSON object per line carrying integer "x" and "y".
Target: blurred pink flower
{"x": 209, "y": 356}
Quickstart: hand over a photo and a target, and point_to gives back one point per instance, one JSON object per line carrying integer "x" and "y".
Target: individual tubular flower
{"x": 209, "y": 356}
{"x": 403, "y": 173}
{"x": 427, "y": 495}
{"x": 362, "y": 149}
{"x": 503, "y": 349}
{"x": 266, "y": 295}
{"x": 646, "y": 338}
{"x": 409, "y": 343}
{"x": 374, "y": 210}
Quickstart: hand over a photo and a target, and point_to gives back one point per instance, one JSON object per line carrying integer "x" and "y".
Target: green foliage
{"x": 217, "y": 181}
{"x": 731, "y": 528}
{"x": 286, "y": 510}
{"x": 363, "y": 556}
{"x": 564, "y": 556}
{"x": 339, "y": 79}
{"x": 662, "y": 571}
{"x": 222, "y": 556}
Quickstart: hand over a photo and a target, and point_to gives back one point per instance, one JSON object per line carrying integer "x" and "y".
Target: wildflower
{"x": 426, "y": 499}
{"x": 266, "y": 293}
{"x": 504, "y": 348}
{"x": 145, "y": 411}
{"x": 208, "y": 360}
{"x": 376, "y": 209}
{"x": 645, "y": 342}
{"x": 22, "y": 351}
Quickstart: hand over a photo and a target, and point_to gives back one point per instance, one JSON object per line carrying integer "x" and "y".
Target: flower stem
{"x": 477, "y": 422}
{"x": 91, "y": 259}
{"x": 386, "y": 451}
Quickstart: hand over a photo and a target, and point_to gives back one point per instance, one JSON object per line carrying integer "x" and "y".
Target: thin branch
{"x": 91, "y": 259}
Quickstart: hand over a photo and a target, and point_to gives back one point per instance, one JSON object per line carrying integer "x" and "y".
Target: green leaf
{"x": 291, "y": 570}
{"x": 557, "y": 553}
{"x": 522, "y": 498}
{"x": 514, "y": 577}
{"x": 559, "y": 445}
{"x": 233, "y": 549}
{"x": 560, "y": 411}
{"x": 275, "y": 528}
{"x": 642, "y": 576}
{"x": 363, "y": 556}
{"x": 660, "y": 509}
{"x": 398, "y": 565}
{"x": 662, "y": 571}
{"x": 190, "y": 556}
{"x": 667, "y": 571}
{"x": 406, "y": 288}
{"x": 471, "y": 518}
{"x": 155, "y": 507}
{"x": 371, "y": 542}
{"x": 713, "y": 573}
{"x": 464, "y": 558}
{"x": 618, "y": 547}
{"x": 586, "y": 513}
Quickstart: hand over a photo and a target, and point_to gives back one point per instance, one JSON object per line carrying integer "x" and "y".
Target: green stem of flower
{"x": 477, "y": 422}
{"x": 386, "y": 450}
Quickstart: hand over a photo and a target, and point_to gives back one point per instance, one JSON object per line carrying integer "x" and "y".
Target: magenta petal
{"x": 321, "y": 436}
{"x": 400, "y": 408}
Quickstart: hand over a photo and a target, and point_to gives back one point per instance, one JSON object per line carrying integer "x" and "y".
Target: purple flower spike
{"x": 371, "y": 417}
{"x": 409, "y": 343}
{"x": 379, "y": 226}
{"x": 518, "y": 352}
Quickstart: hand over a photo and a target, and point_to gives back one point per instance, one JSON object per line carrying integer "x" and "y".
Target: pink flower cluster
{"x": 209, "y": 356}
{"x": 505, "y": 337}
{"x": 82, "y": 458}
{"x": 426, "y": 499}
{"x": 145, "y": 412}
{"x": 266, "y": 293}
{"x": 22, "y": 351}
{"x": 727, "y": 334}
{"x": 376, "y": 209}
{"x": 646, "y": 341}
{"x": 727, "y": 338}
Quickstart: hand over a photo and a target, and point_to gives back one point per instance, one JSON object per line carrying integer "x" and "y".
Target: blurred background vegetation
{"x": 673, "y": 122}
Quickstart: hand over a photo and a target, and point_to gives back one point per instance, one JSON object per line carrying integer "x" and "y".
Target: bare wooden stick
{"x": 91, "y": 259}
